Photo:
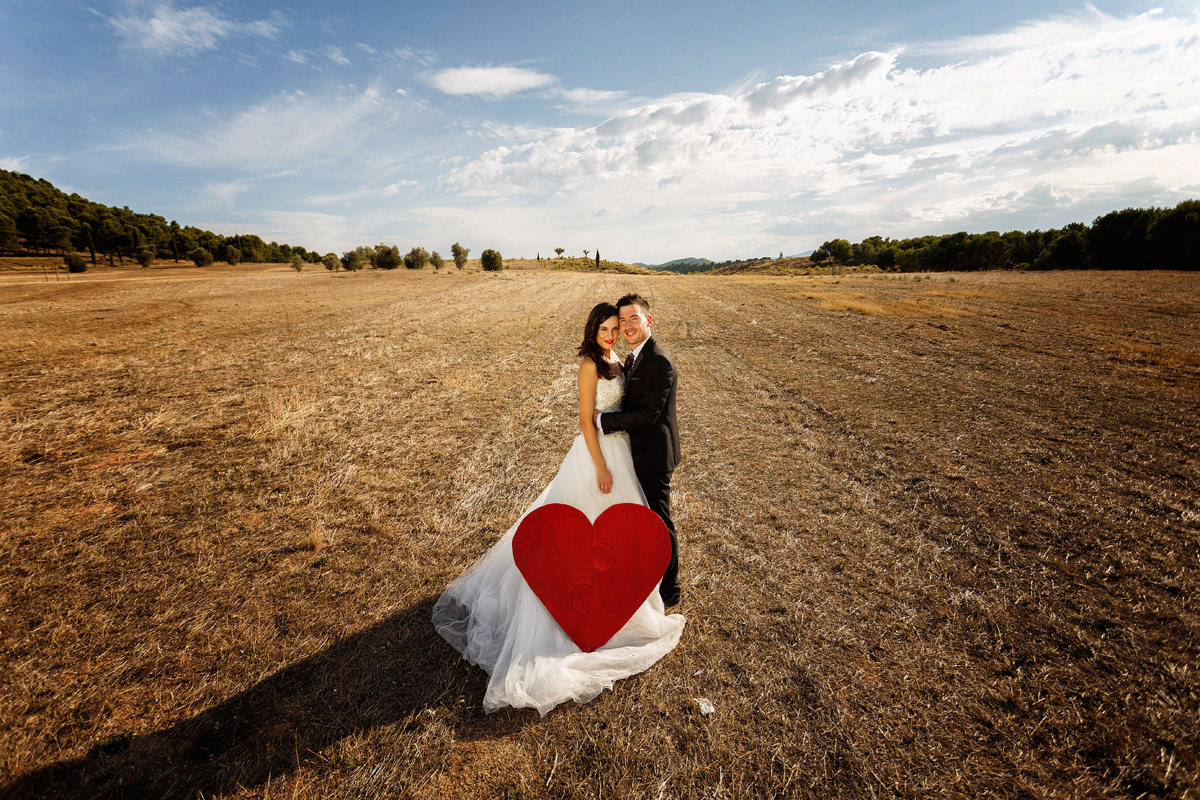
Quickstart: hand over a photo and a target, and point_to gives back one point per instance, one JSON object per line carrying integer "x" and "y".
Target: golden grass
{"x": 857, "y": 302}
{"x": 922, "y": 555}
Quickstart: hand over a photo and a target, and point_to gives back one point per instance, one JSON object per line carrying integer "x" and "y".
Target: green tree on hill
{"x": 387, "y": 257}
{"x": 48, "y": 219}
{"x": 460, "y": 254}
{"x": 491, "y": 261}
{"x": 9, "y": 240}
{"x": 416, "y": 258}
{"x": 1175, "y": 237}
{"x": 356, "y": 259}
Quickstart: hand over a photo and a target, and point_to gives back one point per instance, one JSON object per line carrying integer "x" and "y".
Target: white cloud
{"x": 278, "y": 135}
{"x": 1052, "y": 116}
{"x": 336, "y": 55}
{"x": 423, "y": 58}
{"x": 489, "y": 81}
{"x": 222, "y": 193}
{"x": 592, "y": 100}
{"x": 393, "y": 189}
{"x": 14, "y": 164}
{"x": 165, "y": 29}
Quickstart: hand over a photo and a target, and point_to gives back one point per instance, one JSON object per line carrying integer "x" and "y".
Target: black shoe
{"x": 672, "y": 600}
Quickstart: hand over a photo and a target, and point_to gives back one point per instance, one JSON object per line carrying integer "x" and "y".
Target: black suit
{"x": 648, "y": 415}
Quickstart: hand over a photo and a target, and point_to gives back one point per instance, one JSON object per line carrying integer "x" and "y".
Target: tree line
{"x": 39, "y": 218}
{"x": 383, "y": 256}
{"x": 1135, "y": 238}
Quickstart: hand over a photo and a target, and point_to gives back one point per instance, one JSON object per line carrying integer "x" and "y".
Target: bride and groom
{"x": 626, "y": 450}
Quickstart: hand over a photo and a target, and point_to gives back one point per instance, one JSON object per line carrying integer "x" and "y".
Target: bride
{"x": 491, "y": 616}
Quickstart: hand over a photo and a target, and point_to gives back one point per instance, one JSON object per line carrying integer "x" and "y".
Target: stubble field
{"x": 939, "y": 538}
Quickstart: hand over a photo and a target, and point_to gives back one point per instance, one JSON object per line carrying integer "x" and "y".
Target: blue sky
{"x": 651, "y": 131}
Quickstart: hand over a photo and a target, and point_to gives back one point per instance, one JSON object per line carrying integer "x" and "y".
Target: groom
{"x": 648, "y": 415}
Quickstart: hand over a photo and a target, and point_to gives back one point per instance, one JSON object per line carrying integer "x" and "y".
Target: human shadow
{"x": 387, "y": 673}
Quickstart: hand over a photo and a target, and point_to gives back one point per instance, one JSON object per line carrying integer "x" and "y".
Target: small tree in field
{"x": 146, "y": 255}
{"x": 387, "y": 257}
{"x": 201, "y": 257}
{"x": 74, "y": 262}
{"x": 356, "y": 259}
{"x": 435, "y": 258}
{"x": 585, "y": 253}
{"x": 416, "y": 258}
{"x": 560, "y": 251}
{"x": 232, "y": 255}
{"x": 331, "y": 261}
{"x": 491, "y": 261}
{"x": 460, "y": 254}
{"x": 297, "y": 263}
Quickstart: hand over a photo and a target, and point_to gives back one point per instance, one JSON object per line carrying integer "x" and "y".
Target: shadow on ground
{"x": 385, "y": 674}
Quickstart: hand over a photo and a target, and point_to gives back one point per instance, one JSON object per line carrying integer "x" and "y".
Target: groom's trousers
{"x": 657, "y": 489}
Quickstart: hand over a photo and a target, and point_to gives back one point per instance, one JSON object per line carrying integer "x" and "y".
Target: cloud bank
{"x": 1065, "y": 111}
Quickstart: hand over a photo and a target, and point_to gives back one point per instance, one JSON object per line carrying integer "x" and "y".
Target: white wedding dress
{"x": 491, "y": 616}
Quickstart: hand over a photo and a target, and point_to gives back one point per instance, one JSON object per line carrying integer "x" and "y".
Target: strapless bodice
{"x": 609, "y": 394}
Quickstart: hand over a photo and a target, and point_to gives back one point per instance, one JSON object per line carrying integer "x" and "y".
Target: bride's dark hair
{"x": 591, "y": 329}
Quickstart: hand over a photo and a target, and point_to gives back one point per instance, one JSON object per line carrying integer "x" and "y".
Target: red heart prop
{"x": 592, "y": 578}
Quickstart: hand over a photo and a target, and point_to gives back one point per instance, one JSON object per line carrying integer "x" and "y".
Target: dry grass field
{"x": 939, "y": 537}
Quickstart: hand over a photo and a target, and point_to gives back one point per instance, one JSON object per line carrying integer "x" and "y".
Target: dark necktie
{"x": 628, "y": 364}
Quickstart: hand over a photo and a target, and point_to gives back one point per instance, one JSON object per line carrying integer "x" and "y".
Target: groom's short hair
{"x": 633, "y": 298}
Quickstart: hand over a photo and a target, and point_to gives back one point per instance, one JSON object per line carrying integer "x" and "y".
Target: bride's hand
{"x": 604, "y": 479}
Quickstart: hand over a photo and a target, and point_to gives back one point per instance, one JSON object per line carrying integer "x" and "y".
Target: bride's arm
{"x": 588, "y": 378}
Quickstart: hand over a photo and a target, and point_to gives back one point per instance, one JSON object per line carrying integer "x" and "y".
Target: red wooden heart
{"x": 592, "y": 578}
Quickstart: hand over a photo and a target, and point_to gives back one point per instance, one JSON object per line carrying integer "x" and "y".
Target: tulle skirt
{"x": 491, "y": 616}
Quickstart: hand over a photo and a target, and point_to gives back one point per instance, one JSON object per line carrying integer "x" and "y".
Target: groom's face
{"x": 635, "y": 324}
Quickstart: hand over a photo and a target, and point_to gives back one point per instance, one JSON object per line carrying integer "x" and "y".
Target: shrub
{"x": 146, "y": 255}
{"x": 74, "y": 262}
{"x": 232, "y": 255}
{"x": 387, "y": 257}
{"x": 331, "y": 261}
{"x": 460, "y": 254}
{"x": 416, "y": 258}
{"x": 201, "y": 257}
{"x": 491, "y": 261}
{"x": 435, "y": 258}
{"x": 297, "y": 263}
{"x": 353, "y": 260}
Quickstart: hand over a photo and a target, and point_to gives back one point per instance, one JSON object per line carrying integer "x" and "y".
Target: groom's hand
{"x": 596, "y": 421}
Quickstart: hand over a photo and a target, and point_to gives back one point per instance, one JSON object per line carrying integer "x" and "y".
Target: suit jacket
{"x": 648, "y": 412}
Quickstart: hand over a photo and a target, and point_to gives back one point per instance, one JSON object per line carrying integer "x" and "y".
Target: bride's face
{"x": 607, "y": 335}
